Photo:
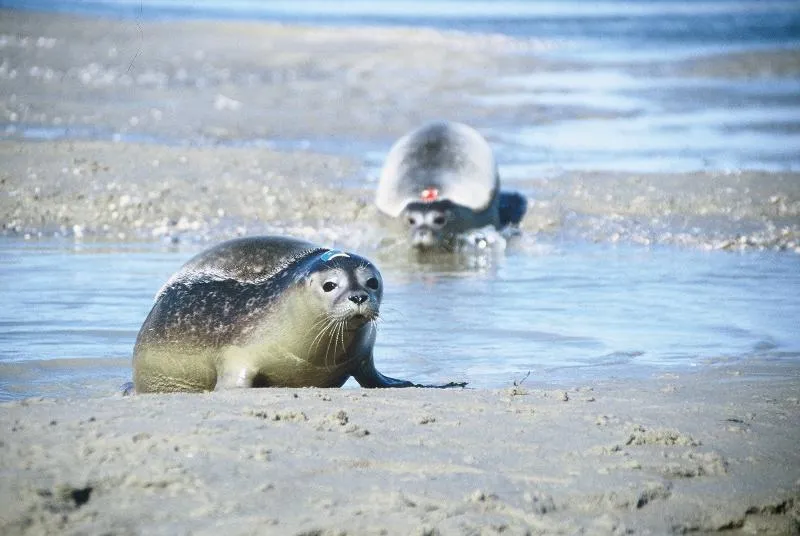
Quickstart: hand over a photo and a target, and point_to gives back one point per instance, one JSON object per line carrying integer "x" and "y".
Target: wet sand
{"x": 705, "y": 452}
{"x": 250, "y": 80}
{"x": 92, "y": 190}
{"x": 118, "y": 191}
{"x": 178, "y": 115}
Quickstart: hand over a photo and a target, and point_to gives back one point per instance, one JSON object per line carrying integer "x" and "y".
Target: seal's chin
{"x": 357, "y": 319}
{"x": 425, "y": 239}
{"x": 434, "y": 247}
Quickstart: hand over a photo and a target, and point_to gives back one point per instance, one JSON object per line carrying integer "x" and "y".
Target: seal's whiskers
{"x": 325, "y": 326}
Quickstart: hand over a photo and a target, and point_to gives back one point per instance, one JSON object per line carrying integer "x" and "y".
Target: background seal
{"x": 442, "y": 179}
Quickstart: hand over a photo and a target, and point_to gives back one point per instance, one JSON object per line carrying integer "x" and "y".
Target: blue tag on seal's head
{"x": 332, "y": 254}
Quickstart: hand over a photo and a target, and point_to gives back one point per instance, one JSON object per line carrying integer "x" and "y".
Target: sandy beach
{"x": 154, "y": 156}
{"x": 693, "y": 453}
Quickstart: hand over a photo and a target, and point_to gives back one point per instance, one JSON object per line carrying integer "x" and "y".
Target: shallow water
{"x": 616, "y": 93}
{"x": 69, "y": 313}
{"x": 652, "y": 124}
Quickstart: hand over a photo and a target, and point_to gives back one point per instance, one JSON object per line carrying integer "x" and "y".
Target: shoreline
{"x": 673, "y": 454}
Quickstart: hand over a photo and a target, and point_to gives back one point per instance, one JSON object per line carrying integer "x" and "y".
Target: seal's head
{"x": 428, "y": 223}
{"x": 437, "y": 224}
{"x": 347, "y": 287}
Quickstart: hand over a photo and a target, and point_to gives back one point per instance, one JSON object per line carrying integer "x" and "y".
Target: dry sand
{"x": 714, "y": 451}
{"x": 704, "y": 452}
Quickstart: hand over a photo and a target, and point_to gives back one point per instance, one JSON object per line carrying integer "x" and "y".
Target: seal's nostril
{"x": 358, "y": 299}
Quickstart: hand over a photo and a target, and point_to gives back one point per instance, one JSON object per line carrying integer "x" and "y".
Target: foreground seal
{"x": 442, "y": 179}
{"x": 263, "y": 311}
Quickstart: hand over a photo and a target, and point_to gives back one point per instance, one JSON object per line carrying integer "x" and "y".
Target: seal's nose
{"x": 359, "y": 298}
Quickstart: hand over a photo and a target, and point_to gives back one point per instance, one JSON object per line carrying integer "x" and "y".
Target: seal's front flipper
{"x": 512, "y": 208}
{"x": 368, "y": 376}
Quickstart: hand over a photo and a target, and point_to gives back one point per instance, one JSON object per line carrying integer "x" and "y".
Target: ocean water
{"x": 654, "y": 85}
{"x": 652, "y": 23}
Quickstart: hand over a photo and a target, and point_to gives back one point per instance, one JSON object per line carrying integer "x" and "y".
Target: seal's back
{"x": 438, "y": 161}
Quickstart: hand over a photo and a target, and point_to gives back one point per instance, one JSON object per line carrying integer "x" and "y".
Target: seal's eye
{"x": 329, "y": 286}
{"x": 372, "y": 283}
{"x": 412, "y": 220}
{"x": 439, "y": 220}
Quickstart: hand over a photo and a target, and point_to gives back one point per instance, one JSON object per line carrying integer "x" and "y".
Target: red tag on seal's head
{"x": 429, "y": 195}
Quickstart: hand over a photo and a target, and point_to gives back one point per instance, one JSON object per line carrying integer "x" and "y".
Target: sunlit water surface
{"x": 69, "y": 314}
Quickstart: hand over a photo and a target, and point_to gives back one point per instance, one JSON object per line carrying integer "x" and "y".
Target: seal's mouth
{"x": 433, "y": 251}
{"x": 432, "y": 241}
{"x": 359, "y": 319}
{"x": 424, "y": 238}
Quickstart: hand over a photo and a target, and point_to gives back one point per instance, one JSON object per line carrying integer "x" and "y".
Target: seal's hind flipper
{"x": 512, "y": 208}
{"x": 127, "y": 389}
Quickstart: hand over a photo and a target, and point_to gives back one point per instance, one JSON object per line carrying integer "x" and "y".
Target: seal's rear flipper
{"x": 127, "y": 389}
{"x": 512, "y": 208}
